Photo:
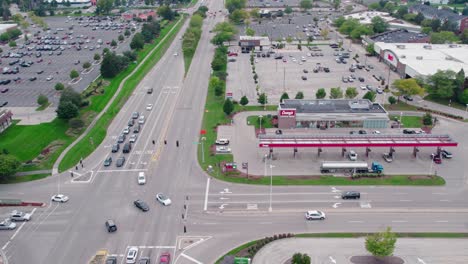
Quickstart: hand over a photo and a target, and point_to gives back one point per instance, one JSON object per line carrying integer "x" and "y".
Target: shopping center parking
{"x": 52, "y": 66}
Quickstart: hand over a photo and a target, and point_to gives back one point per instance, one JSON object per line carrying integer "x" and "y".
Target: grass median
{"x": 97, "y": 134}
{"x": 26, "y": 178}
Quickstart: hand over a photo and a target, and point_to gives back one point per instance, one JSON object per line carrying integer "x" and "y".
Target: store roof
{"x": 358, "y": 106}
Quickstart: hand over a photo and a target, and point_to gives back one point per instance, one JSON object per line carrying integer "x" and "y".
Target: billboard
{"x": 391, "y": 58}
{"x": 287, "y": 112}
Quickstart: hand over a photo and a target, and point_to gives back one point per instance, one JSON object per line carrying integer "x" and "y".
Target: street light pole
{"x": 271, "y": 186}
{"x": 202, "y": 149}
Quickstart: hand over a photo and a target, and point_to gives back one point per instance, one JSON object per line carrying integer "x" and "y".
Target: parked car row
{"x": 15, "y": 216}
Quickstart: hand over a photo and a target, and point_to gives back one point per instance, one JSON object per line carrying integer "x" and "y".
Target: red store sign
{"x": 288, "y": 112}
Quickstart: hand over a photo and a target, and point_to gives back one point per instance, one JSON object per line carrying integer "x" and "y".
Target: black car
{"x": 141, "y": 205}
{"x": 305, "y": 71}
{"x": 40, "y": 72}
{"x": 446, "y": 154}
{"x": 4, "y": 90}
{"x": 361, "y": 79}
{"x": 362, "y": 132}
{"x": 33, "y": 79}
{"x": 350, "y": 195}
{"x": 278, "y": 132}
{"x": 111, "y": 227}
{"x": 131, "y": 122}
{"x": 408, "y": 131}
{"x": 120, "y": 162}
{"x": 115, "y": 148}
{"x": 111, "y": 260}
{"x": 4, "y": 103}
{"x": 408, "y": 98}
{"x": 108, "y": 162}
{"x": 304, "y": 78}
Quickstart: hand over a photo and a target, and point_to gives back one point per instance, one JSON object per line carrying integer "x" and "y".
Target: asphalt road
{"x": 74, "y": 231}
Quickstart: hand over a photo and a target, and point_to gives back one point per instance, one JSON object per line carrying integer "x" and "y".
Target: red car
{"x": 436, "y": 158}
{"x": 165, "y": 258}
{"x": 231, "y": 54}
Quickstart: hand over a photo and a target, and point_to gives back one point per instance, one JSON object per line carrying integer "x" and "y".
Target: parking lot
{"x": 48, "y": 57}
{"x": 286, "y": 75}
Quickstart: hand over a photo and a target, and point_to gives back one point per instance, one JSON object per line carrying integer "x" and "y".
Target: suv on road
{"x": 115, "y": 148}
{"x": 315, "y": 215}
{"x": 127, "y": 147}
{"x": 111, "y": 226}
{"x": 350, "y": 195}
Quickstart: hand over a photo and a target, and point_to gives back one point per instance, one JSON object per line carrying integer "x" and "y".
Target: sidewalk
{"x": 29, "y": 115}
{"x": 346, "y": 250}
{"x": 418, "y": 101}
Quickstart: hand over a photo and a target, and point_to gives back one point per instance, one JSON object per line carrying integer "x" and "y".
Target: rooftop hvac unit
{"x": 427, "y": 46}
{"x": 401, "y": 46}
{"x": 419, "y": 57}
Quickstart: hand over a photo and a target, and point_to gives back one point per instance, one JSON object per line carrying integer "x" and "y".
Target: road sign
{"x": 245, "y": 165}
{"x": 241, "y": 261}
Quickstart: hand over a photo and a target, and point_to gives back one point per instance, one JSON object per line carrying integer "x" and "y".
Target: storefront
{"x": 324, "y": 114}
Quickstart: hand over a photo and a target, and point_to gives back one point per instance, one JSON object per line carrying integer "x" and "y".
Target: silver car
{"x": 7, "y": 225}
{"x": 20, "y": 216}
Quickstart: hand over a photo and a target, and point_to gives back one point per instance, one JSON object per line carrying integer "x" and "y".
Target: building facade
{"x": 429, "y": 12}
{"x": 324, "y": 114}
{"x": 248, "y": 43}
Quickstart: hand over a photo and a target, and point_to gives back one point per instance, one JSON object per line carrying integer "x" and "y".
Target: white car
{"x": 126, "y": 130}
{"x": 176, "y": 54}
{"x": 352, "y": 155}
{"x": 141, "y": 120}
{"x": 315, "y": 215}
{"x": 60, "y": 198}
{"x": 149, "y": 107}
{"x": 132, "y": 255}
{"x": 223, "y": 149}
{"x": 141, "y": 178}
{"x": 363, "y": 87}
{"x": 163, "y": 199}
{"x": 19, "y": 216}
{"x": 50, "y": 78}
{"x": 376, "y": 132}
{"x": 222, "y": 141}
{"x": 133, "y": 138}
{"x": 7, "y": 225}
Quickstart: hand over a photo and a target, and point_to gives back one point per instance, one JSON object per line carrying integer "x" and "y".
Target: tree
{"x": 12, "y": 44}
{"x": 339, "y": 21}
{"x": 42, "y": 100}
{"x": 217, "y": 85}
{"x": 336, "y": 4}
{"x": 348, "y": 26}
{"x": 288, "y": 10}
{"x": 238, "y": 16}
{"x": 360, "y": 31}
{"x": 121, "y": 38}
{"x": 427, "y": 119}
{"x": 408, "y": 87}
{"x": 112, "y": 64}
{"x": 463, "y": 97}
{"x": 262, "y": 99}
{"x": 392, "y": 100}
{"x": 441, "y": 84}
{"x": 379, "y": 25}
{"x": 74, "y": 74}
{"x": 250, "y": 32}
{"x": 127, "y": 33}
{"x": 138, "y": 42}
{"x": 299, "y": 258}
{"x": 299, "y": 95}
{"x": 232, "y": 5}
{"x": 464, "y": 36}
{"x": 401, "y": 11}
{"x": 67, "y": 110}
{"x": 103, "y": 6}
{"x": 336, "y": 93}
{"x": 320, "y": 94}
{"x": 351, "y": 92}
{"x": 244, "y": 101}
{"x": 305, "y": 4}
{"x": 443, "y": 37}
{"x": 59, "y": 86}
{"x": 225, "y": 31}
{"x": 284, "y": 96}
{"x": 324, "y": 33}
{"x": 381, "y": 244}
{"x": 370, "y": 95}
{"x": 370, "y": 49}
{"x": 228, "y": 106}
{"x": 419, "y": 18}
{"x": 9, "y": 165}
{"x": 435, "y": 24}
{"x": 113, "y": 43}
{"x": 72, "y": 96}
{"x": 165, "y": 12}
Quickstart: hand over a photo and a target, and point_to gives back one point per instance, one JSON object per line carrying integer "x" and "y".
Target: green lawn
{"x": 25, "y": 178}
{"x": 27, "y": 142}
{"x": 401, "y": 106}
{"x": 409, "y": 121}
{"x": 255, "y": 121}
{"x": 97, "y": 134}
{"x": 446, "y": 102}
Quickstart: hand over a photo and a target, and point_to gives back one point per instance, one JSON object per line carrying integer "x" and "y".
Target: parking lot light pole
{"x": 271, "y": 186}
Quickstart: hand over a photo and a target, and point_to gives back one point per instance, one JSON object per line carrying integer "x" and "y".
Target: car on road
{"x": 61, "y": 198}
{"x": 141, "y": 178}
{"x": 32, "y": 79}
{"x": 126, "y": 130}
{"x": 127, "y": 147}
{"x": 111, "y": 226}
{"x": 149, "y": 91}
{"x": 40, "y": 72}
{"x": 304, "y": 78}
{"x": 121, "y": 138}
{"x": 19, "y": 216}
{"x": 223, "y": 149}
{"x": 141, "y": 205}
{"x": 408, "y": 98}
{"x": 352, "y": 155}
{"x": 132, "y": 255}
{"x": 387, "y": 157}
{"x": 315, "y": 215}
{"x": 131, "y": 122}
{"x": 50, "y": 78}
{"x": 164, "y": 200}
{"x": 351, "y": 195}
{"x": 133, "y": 138}
{"x": 136, "y": 128}
{"x": 305, "y": 71}
{"x": 222, "y": 141}
{"x": 108, "y": 162}
{"x": 376, "y": 132}
{"x": 111, "y": 260}
{"x": 436, "y": 158}
{"x": 141, "y": 119}
{"x": 120, "y": 162}
{"x": 4, "y": 90}
{"x": 362, "y": 132}
{"x": 408, "y": 131}
{"x": 446, "y": 154}
{"x": 7, "y": 224}
{"x": 165, "y": 258}
{"x": 115, "y": 148}
{"x": 149, "y": 107}
{"x": 135, "y": 115}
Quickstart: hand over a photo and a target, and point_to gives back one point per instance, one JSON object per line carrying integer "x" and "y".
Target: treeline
{"x": 193, "y": 33}
{"x": 10, "y": 35}
{"x": 149, "y": 32}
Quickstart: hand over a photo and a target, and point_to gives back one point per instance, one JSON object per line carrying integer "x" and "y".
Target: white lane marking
{"x": 6, "y": 245}
{"x": 399, "y": 221}
{"x": 222, "y": 206}
{"x": 439, "y": 193}
{"x": 422, "y": 261}
{"x": 252, "y": 206}
{"x": 400, "y": 193}
{"x": 190, "y": 258}
{"x": 355, "y": 221}
{"x": 206, "y": 193}
{"x": 336, "y": 205}
{"x": 332, "y": 259}
{"x": 406, "y": 200}
{"x": 223, "y": 198}
{"x": 225, "y": 191}
{"x": 266, "y": 223}
{"x": 17, "y": 230}
{"x": 445, "y": 200}
{"x": 442, "y": 221}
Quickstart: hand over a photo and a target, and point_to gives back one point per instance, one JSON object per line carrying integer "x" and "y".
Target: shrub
{"x": 76, "y": 123}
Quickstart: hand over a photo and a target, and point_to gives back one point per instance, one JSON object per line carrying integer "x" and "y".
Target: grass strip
{"x": 26, "y": 178}
{"x": 97, "y": 134}
{"x": 400, "y": 106}
{"x": 242, "y": 247}
{"x": 408, "y": 121}
{"x": 255, "y": 121}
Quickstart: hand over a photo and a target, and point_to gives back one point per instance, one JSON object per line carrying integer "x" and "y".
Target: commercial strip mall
{"x": 323, "y": 114}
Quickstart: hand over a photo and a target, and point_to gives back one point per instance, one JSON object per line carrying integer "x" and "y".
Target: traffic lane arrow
{"x": 332, "y": 259}
{"x": 222, "y": 206}
{"x": 335, "y": 205}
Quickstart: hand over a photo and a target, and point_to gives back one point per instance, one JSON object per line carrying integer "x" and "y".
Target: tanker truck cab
{"x": 377, "y": 167}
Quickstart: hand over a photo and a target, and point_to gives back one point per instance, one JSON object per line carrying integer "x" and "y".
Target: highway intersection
{"x": 207, "y": 217}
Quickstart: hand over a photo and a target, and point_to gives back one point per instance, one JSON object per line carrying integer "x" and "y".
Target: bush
{"x": 427, "y": 119}
{"x": 59, "y": 86}
{"x": 76, "y": 123}
{"x": 42, "y": 100}
{"x": 392, "y": 100}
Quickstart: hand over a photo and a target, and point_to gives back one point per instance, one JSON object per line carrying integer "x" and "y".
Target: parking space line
{"x": 190, "y": 258}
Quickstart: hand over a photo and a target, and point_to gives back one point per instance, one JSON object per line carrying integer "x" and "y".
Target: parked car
{"x": 362, "y": 132}
{"x": 141, "y": 205}
{"x": 387, "y": 157}
{"x": 120, "y": 162}
{"x": 436, "y": 158}
{"x": 132, "y": 255}
{"x": 408, "y": 98}
{"x": 7, "y": 224}
{"x": 223, "y": 149}
{"x": 446, "y": 154}
{"x": 352, "y": 155}
{"x": 164, "y": 200}
{"x": 351, "y": 195}
{"x": 111, "y": 227}
{"x": 19, "y": 216}
{"x": 165, "y": 258}
{"x": 115, "y": 148}
{"x": 61, "y": 198}
{"x": 408, "y": 131}
{"x": 108, "y": 161}
{"x": 141, "y": 178}
{"x": 144, "y": 260}
{"x": 222, "y": 141}
{"x": 111, "y": 260}
{"x": 315, "y": 215}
